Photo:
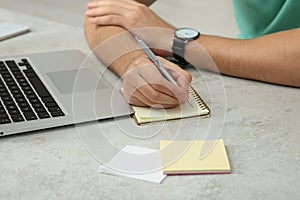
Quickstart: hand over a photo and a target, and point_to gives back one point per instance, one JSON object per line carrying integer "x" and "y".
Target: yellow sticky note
{"x": 183, "y": 157}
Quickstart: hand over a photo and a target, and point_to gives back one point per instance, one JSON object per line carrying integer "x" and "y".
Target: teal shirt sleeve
{"x": 260, "y": 17}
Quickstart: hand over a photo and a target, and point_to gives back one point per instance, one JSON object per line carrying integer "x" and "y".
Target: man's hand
{"x": 145, "y": 86}
{"x": 128, "y": 14}
{"x": 135, "y": 17}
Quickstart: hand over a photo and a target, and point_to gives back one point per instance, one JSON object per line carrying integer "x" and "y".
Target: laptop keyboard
{"x": 23, "y": 96}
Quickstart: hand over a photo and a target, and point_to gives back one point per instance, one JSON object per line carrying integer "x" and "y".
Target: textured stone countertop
{"x": 260, "y": 126}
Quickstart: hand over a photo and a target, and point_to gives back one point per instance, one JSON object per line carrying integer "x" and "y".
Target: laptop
{"x": 52, "y": 89}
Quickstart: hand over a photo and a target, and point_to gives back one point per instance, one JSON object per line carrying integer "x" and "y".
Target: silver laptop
{"x": 51, "y": 89}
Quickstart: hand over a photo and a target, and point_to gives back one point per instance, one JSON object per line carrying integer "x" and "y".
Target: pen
{"x": 156, "y": 62}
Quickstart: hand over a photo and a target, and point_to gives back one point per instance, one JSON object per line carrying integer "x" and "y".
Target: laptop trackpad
{"x": 76, "y": 81}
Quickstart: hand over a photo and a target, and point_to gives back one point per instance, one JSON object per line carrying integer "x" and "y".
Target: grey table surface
{"x": 261, "y": 131}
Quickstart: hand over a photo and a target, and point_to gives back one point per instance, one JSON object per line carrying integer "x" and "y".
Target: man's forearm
{"x": 113, "y": 45}
{"x": 273, "y": 58}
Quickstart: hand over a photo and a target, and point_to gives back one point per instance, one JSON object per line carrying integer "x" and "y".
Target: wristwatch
{"x": 181, "y": 37}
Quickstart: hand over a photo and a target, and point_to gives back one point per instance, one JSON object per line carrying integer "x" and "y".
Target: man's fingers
{"x": 145, "y": 91}
{"x": 113, "y": 2}
{"x": 138, "y": 99}
{"x": 172, "y": 68}
{"x": 181, "y": 80}
{"x": 110, "y": 13}
{"x": 161, "y": 85}
{"x": 156, "y": 96}
{"x": 108, "y": 20}
{"x": 107, "y": 10}
{"x": 147, "y": 84}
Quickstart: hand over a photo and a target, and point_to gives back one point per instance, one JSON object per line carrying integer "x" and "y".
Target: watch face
{"x": 186, "y": 33}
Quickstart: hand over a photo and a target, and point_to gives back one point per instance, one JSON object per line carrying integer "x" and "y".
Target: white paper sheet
{"x": 137, "y": 163}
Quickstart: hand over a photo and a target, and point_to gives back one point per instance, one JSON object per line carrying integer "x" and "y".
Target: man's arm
{"x": 96, "y": 35}
{"x": 142, "y": 82}
{"x": 273, "y": 58}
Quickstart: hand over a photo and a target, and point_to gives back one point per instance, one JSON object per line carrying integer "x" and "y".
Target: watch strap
{"x": 178, "y": 50}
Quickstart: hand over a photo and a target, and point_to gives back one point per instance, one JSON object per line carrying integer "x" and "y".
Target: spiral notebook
{"x": 195, "y": 108}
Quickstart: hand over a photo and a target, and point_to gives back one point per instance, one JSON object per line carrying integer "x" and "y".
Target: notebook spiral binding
{"x": 198, "y": 99}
